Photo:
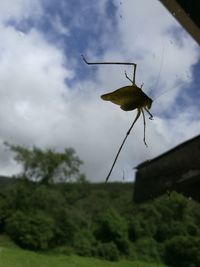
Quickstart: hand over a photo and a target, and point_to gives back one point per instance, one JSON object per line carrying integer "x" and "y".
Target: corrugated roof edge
{"x": 147, "y": 162}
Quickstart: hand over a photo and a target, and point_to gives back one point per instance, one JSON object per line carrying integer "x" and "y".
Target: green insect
{"x": 128, "y": 98}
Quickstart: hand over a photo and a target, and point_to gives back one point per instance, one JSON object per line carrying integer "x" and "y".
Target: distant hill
{"x": 6, "y": 180}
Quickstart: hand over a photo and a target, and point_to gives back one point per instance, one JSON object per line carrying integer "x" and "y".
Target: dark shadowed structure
{"x": 176, "y": 170}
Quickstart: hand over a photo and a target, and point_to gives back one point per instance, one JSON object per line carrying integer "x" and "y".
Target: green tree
{"x": 47, "y": 165}
{"x": 33, "y": 230}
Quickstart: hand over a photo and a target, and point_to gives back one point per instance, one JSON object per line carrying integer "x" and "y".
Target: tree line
{"x": 98, "y": 220}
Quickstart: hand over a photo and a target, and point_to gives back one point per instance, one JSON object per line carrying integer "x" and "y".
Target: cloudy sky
{"x": 50, "y": 98}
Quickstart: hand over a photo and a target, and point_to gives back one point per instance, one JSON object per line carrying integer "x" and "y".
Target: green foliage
{"x": 111, "y": 227}
{"x": 11, "y": 199}
{"x": 143, "y": 222}
{"x": 192, "y": 228}
{"x": 12, "y": 256}
{"x": 173, "y": 207}
{"x": 30, "y": 231}
{"x": 68, "y": 223}
{"x": 47, "y": 198}
{"x": 176, "y": 218}
{"x": 19, "y": 195}
{"x": 47, "y": 165}
{"x": 90, "y": 220}
{"x": 168, "y": 230}
{"x": 107, "y": 251}
{"x": 182, "y": 251}
{"x": 147, "y": 249}
{"x": 84, "y": 242}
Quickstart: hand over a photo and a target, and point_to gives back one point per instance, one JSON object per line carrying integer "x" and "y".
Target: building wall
{"x": 178, "y": 169}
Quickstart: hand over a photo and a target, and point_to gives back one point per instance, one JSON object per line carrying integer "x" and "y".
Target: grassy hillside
{"x": 13, "y": 256}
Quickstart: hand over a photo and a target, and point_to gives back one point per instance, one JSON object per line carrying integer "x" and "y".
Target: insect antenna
{"x": 163, "y": 93}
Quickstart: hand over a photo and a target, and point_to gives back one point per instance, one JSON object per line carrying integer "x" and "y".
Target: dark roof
{"x": 147, "y": 162}
{"x": 187, "y": 13}
{"x": 191, "y": 8}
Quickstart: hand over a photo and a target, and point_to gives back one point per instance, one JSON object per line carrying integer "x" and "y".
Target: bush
{"x": 31, "y": 231}
{"x": 166, "y": 231}
{"x": 173, "y": 207}
{"x": 65, "y": 228}
{"x": 107, "y": 251}
{"x": 47, "y": 199}
{"x": 192, "y": 229}
{"x": 140, "y": 227}
{"x": 147, "y": 249}
{"x": 111, "y": 227}
{"x": 84, "y": 243}
{"x": 68, "y": 224}
{"x": 182, "y": 251}
{"x": 132, "y": 252}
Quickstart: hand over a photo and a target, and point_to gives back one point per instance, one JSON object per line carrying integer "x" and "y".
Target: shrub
{"x": 83, "y": 243}
{"x": 64, "y": 230}
{"x": 107, "y": 251}
{"x": 68, "y": 224}
{"x": 111, "y": 227}
{"x": 166, "y": 231}
{"x": 132, "y": 252}
{"x": 173, "y": 207}
{"x": 192, "y": 229}
{"x": 140, "y": 227}
{"x": 32, "y": 231}
{"x": 182, "y": 251}
{"x": 147, "y": 249}
{"x": 48, "y": 199}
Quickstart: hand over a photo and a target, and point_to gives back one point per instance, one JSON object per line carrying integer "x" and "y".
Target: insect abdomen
{"x": 106, "y": 97}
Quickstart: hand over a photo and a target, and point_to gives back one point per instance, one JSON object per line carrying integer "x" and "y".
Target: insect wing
{"x": 127, "y": 97}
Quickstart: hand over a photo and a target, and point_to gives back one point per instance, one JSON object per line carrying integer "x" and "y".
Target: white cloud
{"x": 19, "y": 9}
{"x": 32, "y": 75}
{"x": 59, "y": 27}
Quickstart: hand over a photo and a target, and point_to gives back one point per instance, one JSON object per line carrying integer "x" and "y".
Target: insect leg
{"x": 127, "y": 134}
{"x": 151, "y": 116}
{"x": 128, "y": 77}
{"x": 134, "y": 72}
{"x": 114, "y": 63}
{"x": 109, "y": 63}
{"x": 143, "y": 115}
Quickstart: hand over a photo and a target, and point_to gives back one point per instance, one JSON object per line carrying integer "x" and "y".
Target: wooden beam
{"x": 184, "y": 19}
